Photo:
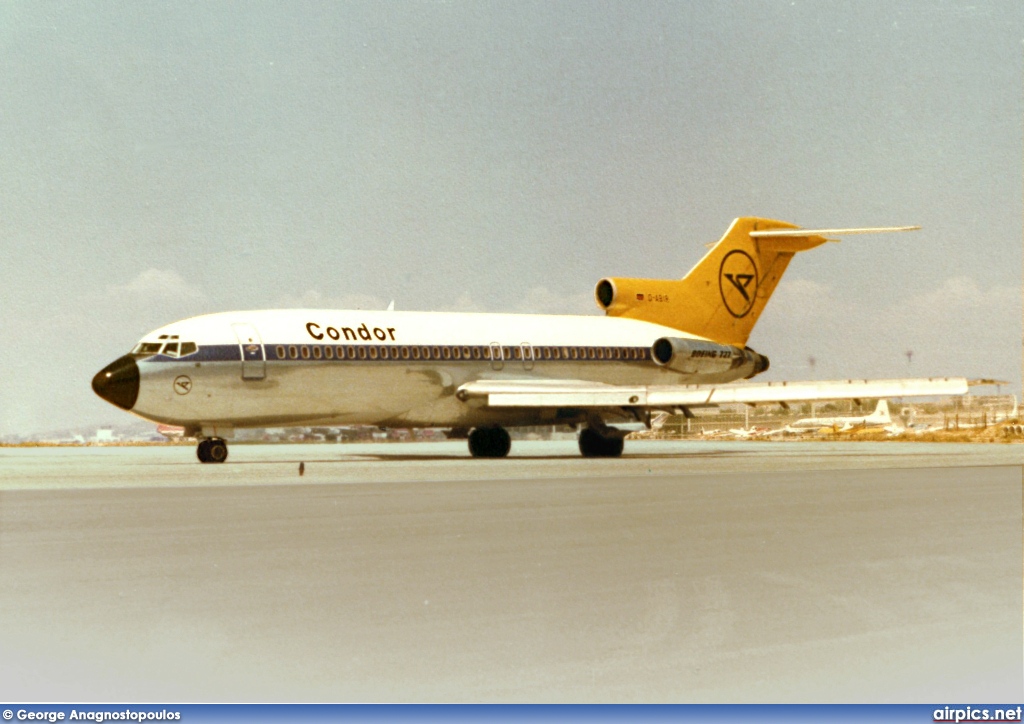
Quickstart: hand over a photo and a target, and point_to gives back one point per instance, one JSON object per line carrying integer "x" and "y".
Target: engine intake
{"x": 605, "y": 293}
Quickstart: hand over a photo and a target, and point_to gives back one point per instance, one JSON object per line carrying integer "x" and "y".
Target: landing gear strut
{"x": 213, "y": 450}
{"x": 595, "y": 445}
{"x": 489, "y": 442}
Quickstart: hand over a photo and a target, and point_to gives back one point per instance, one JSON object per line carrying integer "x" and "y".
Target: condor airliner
{"x": 663, "y": 345}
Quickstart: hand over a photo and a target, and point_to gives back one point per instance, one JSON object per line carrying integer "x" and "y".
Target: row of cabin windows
{"x": 405, "y": 352}
{"x": 170, "y": 349}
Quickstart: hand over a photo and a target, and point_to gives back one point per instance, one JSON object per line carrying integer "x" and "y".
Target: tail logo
{"x": 737, "y": 280}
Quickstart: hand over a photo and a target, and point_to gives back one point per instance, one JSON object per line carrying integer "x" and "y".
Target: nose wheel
{"x": 213, "y": 450}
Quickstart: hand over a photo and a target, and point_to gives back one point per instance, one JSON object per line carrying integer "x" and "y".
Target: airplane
{"x": 663, "y": 345}
{"x": 171, "y": 432}
{"x": 879, "y": 418}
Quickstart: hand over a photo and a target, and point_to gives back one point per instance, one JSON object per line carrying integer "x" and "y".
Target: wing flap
{"x": 575, "y": 393}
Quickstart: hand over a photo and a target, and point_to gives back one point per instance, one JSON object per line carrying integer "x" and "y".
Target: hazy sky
{"x": 159, "y": 160}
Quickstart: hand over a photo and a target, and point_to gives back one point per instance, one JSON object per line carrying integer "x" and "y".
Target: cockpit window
{"x": 170, "y": 349}
{"x": 147, "y": 348}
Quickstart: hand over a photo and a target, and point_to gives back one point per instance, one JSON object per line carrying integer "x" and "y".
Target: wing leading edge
{"x": 574, "y": 393}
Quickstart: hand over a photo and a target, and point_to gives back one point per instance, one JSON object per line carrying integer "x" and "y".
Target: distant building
{"x": 106, "y": 434}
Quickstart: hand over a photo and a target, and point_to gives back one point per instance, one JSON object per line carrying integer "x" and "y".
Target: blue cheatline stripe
{"x": 396, "y": 352}
{"x": 198, "y": 713}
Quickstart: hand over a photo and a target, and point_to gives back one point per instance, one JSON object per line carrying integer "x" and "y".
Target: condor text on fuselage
{"x": 666, "y": 345}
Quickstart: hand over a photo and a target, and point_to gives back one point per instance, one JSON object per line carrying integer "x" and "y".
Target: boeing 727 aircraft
{"x": 663, "y": 345}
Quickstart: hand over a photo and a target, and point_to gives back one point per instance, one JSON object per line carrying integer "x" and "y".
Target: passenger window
{"x": 415, "y": 352}
{"x": 329, "y": 352}
{"x": 317, "y": 353}
{"x": 351, "y": 352}
{"x": 279, "y": 350}
{"x": 456, "y": 353}
{"x": 465, "y": 353}
{"x": 447, "y": 352}
{"x": 171, "y": 349}
{"x": 305, "y": 352}
{"x": 362, "y": 352}
{"x": 293, "y": 352}
{"x": 517, "y": 353}
{"x": 436, "y": 353}
{"x": 477, "y": 353}
{"x": 373, "y": 353}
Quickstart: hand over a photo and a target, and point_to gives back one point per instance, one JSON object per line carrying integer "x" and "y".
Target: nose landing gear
{"x": 212, "y": 450}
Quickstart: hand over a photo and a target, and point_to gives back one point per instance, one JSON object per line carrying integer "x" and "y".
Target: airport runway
{"x": 407, "y": 572}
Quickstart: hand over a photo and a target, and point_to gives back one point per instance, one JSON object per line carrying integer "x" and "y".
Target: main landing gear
{"x": 595, "y": 445}
{"x": 212, "y": 450}
{"x": 489, "y": 442}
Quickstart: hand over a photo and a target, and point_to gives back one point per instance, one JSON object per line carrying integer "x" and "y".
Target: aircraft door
{"x": 254, "y": 360}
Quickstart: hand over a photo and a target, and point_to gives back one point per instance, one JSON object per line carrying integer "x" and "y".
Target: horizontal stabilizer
{"x": 799, "y": 233}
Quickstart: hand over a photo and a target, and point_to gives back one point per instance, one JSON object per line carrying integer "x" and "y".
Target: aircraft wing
{"x": 576, "y": 393}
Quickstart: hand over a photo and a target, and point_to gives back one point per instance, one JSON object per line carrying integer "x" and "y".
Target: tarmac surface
{"x": 682, "y": 572}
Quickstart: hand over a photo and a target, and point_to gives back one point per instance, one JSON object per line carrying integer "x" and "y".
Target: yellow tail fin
{"x": 722, "y": 297}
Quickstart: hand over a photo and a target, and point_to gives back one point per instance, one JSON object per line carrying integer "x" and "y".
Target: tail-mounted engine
{"x": 622, "y": 297}
{"x": 694, "y": 356}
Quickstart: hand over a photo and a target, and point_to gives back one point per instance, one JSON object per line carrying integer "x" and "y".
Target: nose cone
{"x": 118, "y": 382}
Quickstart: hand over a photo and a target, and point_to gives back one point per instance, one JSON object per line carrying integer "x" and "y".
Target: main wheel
{"x": 489, "y": 442}
{"x": 213, "y": 450}
{"x": 218, "y": 450}
{"x": 502, "y": 442}
{"x": 595, "y": 445}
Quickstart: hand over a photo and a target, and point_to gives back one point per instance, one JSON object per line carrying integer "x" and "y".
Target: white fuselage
{"x": 395, "y": 369}
{"x": 878, "y": 418}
